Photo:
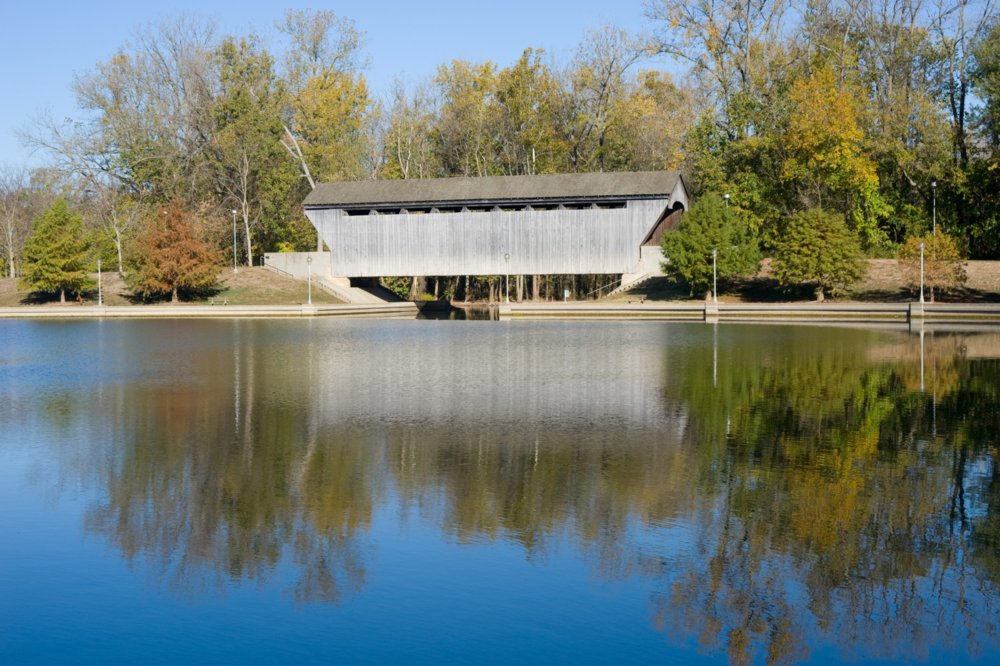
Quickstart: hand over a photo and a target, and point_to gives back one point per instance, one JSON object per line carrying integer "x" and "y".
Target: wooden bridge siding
{"x": 539, "y": 242}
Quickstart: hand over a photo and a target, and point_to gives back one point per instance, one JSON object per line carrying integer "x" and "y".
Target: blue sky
{"x": 43, "y": 44}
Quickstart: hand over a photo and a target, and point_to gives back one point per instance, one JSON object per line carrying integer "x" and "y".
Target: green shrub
{"x": 817, "y": 247}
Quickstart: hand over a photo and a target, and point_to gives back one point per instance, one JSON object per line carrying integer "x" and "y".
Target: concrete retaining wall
{"x": 294, "y": 264}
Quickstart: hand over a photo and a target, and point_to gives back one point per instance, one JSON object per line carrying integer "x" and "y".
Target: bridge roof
{"x": 549, "y": 188}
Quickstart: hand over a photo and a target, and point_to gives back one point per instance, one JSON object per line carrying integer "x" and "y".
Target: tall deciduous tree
{"x": 149, "y": 112}
{"x": 253, "y": 170}
{"x": 328, "y": 101}
{"x": 15, "y": 219}
{"x": 817, "y": 247}
{"x": 825, "y": 154}
{"x": 55, "y": 256}
{"x": 169, "y": 257}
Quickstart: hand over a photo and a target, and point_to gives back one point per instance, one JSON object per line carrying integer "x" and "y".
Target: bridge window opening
{"x": 487, "y": 208}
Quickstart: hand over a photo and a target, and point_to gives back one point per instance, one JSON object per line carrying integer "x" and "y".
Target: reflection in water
{"x": 777, "y": 489}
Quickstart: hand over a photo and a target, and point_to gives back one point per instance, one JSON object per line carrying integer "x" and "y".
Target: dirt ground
{"x": 884, "y": 283}
{"x": 250, "y": 286}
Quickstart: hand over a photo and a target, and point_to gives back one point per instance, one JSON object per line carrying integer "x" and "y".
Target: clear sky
{"x": 43, "y": 43}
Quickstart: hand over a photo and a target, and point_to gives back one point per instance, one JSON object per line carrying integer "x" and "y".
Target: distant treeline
{"x": 856, "y": 107}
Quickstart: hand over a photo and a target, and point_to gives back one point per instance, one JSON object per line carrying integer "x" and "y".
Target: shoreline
{"x": 405, "y": 309}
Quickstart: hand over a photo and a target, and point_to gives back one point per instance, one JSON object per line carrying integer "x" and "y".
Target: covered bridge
{"x": 521, "y": 225}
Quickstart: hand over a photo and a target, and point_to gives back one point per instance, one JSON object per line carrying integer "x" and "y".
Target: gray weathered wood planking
{"x": 601, "y": 240}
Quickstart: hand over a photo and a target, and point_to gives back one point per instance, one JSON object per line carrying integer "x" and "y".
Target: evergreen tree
{"x": 709, "y": 225}
{"x": 816, "y": 246}
{"x": 56, "y": 253}
{"x": 169, "y": 257}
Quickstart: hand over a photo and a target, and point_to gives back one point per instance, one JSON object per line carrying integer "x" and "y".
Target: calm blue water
{"x": 496, "y": 492}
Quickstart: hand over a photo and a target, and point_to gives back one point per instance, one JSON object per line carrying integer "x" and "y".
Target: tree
{"x": 816, "y": 246}
{"x": 15, "y": 222}
{"x": 119, "y": 214}
{"x": 56, "y": 253}
{"x": 408, "y": 142}
{"x": 944, "y": 267}
{"x": 169, "y": 257}
{"x": 252, "y": 170}
{"x": 709, "y": 225}
{"x": 826, "y": 163}
{"x": 149, "y": 112}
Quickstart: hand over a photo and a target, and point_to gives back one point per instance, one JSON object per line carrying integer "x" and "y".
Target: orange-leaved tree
{"x": 944, "y": 263}
{"x": 169, "y": 257}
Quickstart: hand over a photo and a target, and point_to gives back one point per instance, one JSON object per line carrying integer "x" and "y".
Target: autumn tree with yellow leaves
{"x": 826, "y": 162}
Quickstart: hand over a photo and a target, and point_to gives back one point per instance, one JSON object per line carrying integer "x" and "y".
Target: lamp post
{"x": 506, "y": 298}
{"x": 715, "y": 288}
{"x": 234, "y": 241}
{"x": 934, "y": 190}
{"x": 726, "y": 197}
{"x": 921, "y": 272}
{"x": 100, "y": 301}
{"x": 309, "y": 268}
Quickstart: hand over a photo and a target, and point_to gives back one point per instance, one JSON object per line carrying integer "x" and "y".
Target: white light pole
{"x": 921, "y": 272}
{"x": 309, "y": 267}
{"x": 100, "y": 301}
{"x": 234, "y": 241}
{"x": 726, "y": 197}
{"x": 934, "y": 190}
{"x": 715, "y": 288}
{"x": 506, "y": 298}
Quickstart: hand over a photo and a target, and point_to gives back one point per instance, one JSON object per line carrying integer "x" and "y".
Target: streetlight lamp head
{"x": 933, "y": 183}
{"x": 234, "y": 212}
{"x": 921, "y": 245}
{"x": 506, "y": 257}
{"x": 725, "y": 196}
{"x": 715, "y": 252}
{"x": 309, "y": 260}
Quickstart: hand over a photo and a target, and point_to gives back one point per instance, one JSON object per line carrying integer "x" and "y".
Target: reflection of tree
{"x": 836, "y": 513}
{"x": 210, "y": 487}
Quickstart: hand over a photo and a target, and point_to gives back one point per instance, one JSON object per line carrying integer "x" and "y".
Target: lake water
{"x": 230, "y": 491}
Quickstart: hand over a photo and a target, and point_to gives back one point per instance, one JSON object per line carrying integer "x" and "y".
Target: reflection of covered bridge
{"x": 551, "y": 224}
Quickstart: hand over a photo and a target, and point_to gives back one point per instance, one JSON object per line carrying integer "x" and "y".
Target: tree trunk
{"x": 819, "y": 295}
{"x": 246, "y": 227}
{"x": 118, "y": 246}
{"x": 417, "y": 288}
{"x": 520, "y": 288}
{"x": 466, "y": 288}
{"x": 62, "y": 296}
{"x": 535, "y": 284}
{"x": 173, "y": 296}
{"x": 437, "y": 282}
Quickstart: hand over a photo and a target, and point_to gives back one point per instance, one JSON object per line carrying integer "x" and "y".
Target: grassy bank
{"x": 250, "y": 286}
{"x": 884, "y": 284}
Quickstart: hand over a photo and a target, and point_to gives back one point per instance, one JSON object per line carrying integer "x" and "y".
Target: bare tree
{"x": 409, "y": 128}
{"x": 150, "y": 109}
{"x": 119, "y": 213}
{"x": 596, "y": 82}
{"x": 959, "y": 25}
{"x": 732, "y": 45}
{"x": 15, "y": 214}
